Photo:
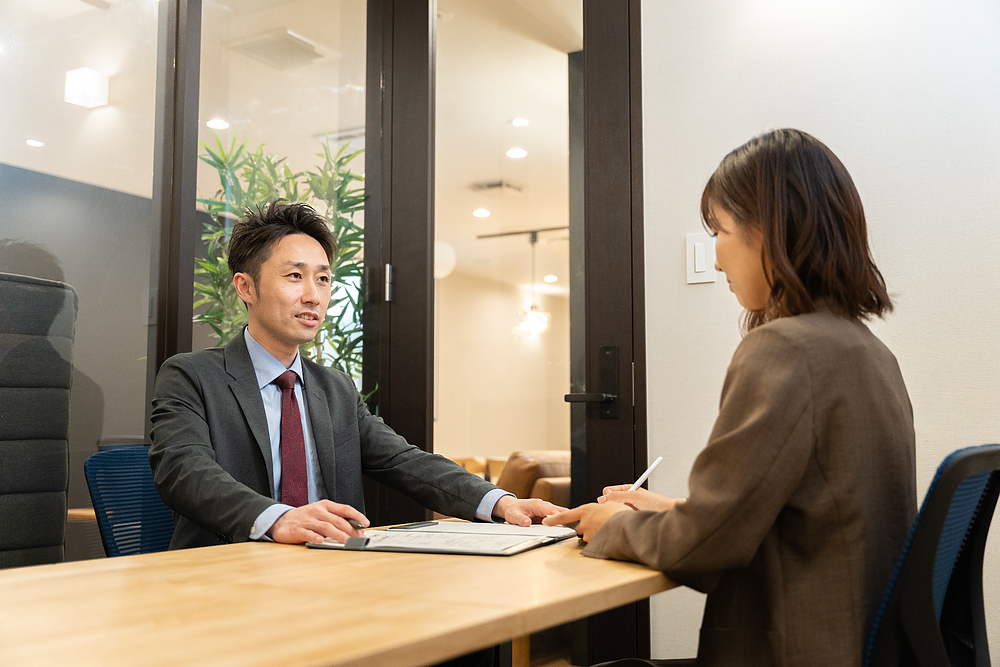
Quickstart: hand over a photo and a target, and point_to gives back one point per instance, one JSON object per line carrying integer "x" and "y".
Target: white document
{"x": 454, "y": 537}
{"x": 469, "y": 528}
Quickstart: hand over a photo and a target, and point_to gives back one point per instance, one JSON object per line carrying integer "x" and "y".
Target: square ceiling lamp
{"x": 86, "y": 88}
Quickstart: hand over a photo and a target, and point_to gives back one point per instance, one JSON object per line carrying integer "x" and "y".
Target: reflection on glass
{"x": 282, "y": 116}
{"x": 502, "y": 204}
{"x": 76, "y": 164}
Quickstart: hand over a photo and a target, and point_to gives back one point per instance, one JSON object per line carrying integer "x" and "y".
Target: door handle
{"x": 589, "y": 398}
{"x": 607, "y": 395}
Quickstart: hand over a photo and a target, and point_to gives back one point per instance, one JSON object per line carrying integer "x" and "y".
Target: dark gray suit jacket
{"x": 211, "y": 452}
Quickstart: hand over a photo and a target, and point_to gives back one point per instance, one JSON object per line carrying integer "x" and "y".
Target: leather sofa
{"x": 541, "y": 474}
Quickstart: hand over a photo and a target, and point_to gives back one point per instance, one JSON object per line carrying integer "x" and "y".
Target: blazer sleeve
{"x": 185, "y": 469}
{"x": 432, "y": 480}
{"x": 756, "y": 456}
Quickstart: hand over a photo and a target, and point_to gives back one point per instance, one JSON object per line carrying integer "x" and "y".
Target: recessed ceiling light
{"x": 550, "y": 278}
{"x": 35, "y": 142}
{"x": 217, "y": 124}
{"x": 516, "y": 152}
{"x": 519, "y": 122}
{"x": 481, "y": 213}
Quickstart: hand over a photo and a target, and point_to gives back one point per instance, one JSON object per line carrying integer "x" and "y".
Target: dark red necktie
{"x": 294, "y": 490}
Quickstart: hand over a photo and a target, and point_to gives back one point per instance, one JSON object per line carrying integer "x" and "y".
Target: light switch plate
{"x": 697, "y": 245}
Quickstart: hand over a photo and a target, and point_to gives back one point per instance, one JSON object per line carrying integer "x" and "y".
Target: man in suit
{"x": 252, "y": 441}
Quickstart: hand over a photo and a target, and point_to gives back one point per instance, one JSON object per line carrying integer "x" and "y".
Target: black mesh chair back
{"x": 132, "y": 517}
{"x": 932, "y": 613}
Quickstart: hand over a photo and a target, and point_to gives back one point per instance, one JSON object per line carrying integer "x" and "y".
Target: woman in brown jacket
{"x": 802, "y": 499}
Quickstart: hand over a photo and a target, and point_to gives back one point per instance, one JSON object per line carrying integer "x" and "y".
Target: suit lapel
{"x": 243, "y": 384}
{"x": 318, "y": 405}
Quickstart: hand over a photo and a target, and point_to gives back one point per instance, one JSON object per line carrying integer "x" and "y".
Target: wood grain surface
{"x": 271, "y": 604}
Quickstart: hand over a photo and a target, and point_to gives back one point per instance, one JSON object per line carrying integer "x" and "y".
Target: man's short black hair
{"x": 254, "y": 236}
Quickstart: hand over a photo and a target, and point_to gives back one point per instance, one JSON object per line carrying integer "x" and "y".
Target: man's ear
{"x": 244, "y": 287}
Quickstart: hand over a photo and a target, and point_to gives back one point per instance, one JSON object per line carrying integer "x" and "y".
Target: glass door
{"x": 502, "y": 230}
{"x": 539, "y": 279}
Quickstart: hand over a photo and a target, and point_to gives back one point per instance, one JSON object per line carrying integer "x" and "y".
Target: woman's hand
{"x": 640, "y": 499}
{"x": 590, "y": 517}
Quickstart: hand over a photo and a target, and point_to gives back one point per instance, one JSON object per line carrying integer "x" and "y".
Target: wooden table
{"x": 81, "y": 515}
{"x": 273, "y": 604}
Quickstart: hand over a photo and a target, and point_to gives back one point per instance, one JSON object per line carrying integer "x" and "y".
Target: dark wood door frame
{"x": 614, "y": 238}
{"x": 174, "y": 179}
{"x": 615, "y": 449}
{"x": 175, "y": 169}
{"x": 398, "y": 364}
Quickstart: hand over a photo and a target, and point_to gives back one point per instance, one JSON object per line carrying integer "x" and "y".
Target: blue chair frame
{"x": 131, "y": 516}
{"x": 932, "y": 614}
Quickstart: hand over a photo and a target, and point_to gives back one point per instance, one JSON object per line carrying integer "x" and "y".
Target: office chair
{"x": 37, "y": 327}
{"x": 132, "y": 517}
{"x": 932, "y": 614}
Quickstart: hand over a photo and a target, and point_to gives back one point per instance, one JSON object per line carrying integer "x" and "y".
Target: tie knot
{"x": 286, "y": 380}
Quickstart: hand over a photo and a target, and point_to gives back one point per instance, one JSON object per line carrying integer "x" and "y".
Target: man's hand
{"x": 640, "y": 499}
{"x": 521, "y": 512}
{"x": 590, "y": 517}
{"x": 316, "y": 521}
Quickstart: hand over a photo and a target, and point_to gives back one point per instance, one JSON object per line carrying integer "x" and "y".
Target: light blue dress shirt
{"x": 268, "y": 368}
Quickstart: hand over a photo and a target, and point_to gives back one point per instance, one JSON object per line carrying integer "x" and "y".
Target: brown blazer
{"x": 800, "y": 503}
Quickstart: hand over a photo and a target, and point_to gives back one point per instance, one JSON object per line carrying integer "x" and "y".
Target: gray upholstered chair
{"x": 37, "y": 320}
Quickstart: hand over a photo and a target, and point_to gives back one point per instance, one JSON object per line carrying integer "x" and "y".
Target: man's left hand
{"x": 590, "y": 517}
{"x": 521, "y": 512}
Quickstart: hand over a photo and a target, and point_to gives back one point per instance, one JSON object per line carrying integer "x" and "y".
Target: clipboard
{"x": 453, "y": 537}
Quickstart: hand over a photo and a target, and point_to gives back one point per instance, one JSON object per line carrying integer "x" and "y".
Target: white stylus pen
{"x": 645, "y": 475}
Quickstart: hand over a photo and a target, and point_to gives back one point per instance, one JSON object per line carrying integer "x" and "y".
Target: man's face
{"x": 288, "y": 305}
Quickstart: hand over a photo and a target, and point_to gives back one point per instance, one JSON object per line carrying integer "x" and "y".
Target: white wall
{"x": 908, "y": 96}
{"x": 496, "y": 392}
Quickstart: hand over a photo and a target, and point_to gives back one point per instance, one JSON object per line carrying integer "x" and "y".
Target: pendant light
{"x": 533, "y": 320}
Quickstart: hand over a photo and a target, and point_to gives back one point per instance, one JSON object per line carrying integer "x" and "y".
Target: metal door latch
{"x": 607, "y": 395}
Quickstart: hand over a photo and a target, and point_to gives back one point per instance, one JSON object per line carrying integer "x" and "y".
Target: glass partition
{"x": 76, "y": 166}
{"x": 282, "y": 115}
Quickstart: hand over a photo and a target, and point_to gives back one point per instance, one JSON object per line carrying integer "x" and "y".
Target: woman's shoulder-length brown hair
{"x": 791, "y": 187}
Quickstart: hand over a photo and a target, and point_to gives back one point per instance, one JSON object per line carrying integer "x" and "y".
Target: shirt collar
{"x": 265, "y": 365}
